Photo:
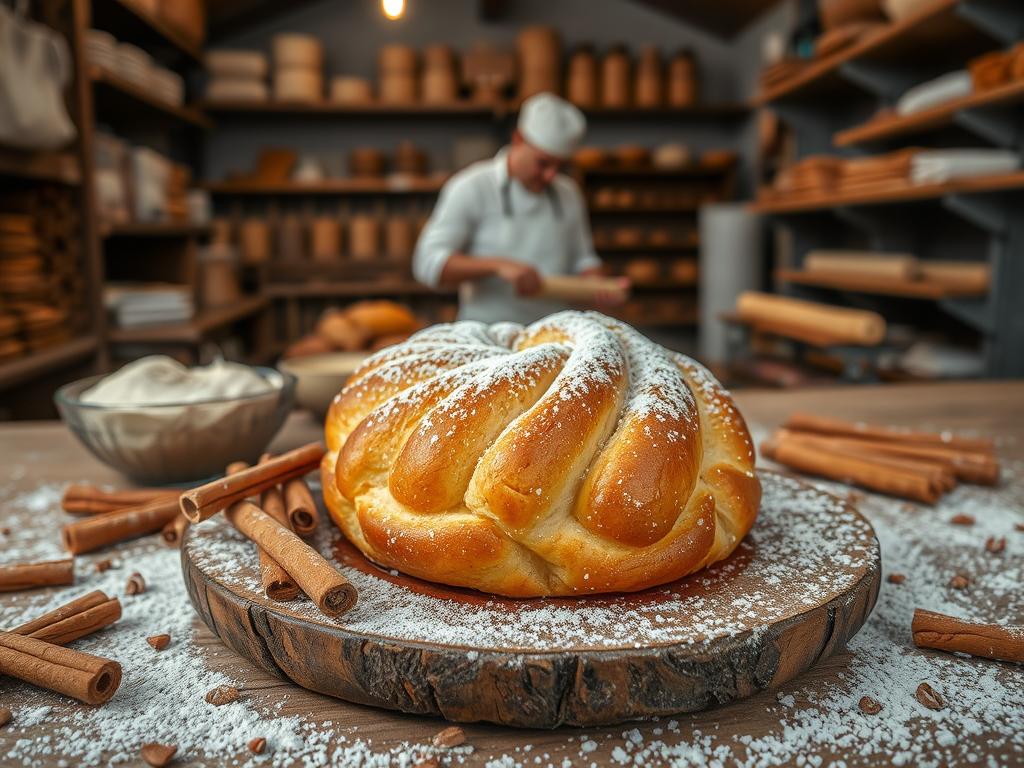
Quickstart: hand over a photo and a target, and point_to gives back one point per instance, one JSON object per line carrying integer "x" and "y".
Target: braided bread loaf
{"x": 567, "y": 457}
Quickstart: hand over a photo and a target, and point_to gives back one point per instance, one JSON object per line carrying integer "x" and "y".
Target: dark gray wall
{"x": 354, "y": 30}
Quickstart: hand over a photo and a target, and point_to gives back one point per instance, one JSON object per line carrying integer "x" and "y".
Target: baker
{"x": 501, "y": 225}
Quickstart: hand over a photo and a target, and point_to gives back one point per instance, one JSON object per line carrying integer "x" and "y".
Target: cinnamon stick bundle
{"x": 98, "y": 531}
{"x": 207, "y": 500}
{"x": 940, "y": 474}
{"x": 806, "y": 422}
{"x": 846, "y": 468}
{"x": 969, "y": 466}
{"x": 80, "y": 617}
{"x": 30, "y": 575}
{"x": 277, "y": 584}
{"x": 300, "y": 506}
{"x": 91, "y": 500}
{"x": 331, "y": 591}
{"x": 90, "y": 679}
{"x": 947, "y": 633}
{"x": 173, "y": 532}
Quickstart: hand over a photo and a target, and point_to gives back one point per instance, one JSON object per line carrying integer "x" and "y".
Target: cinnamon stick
{"x": 971, "y": 467}
{"x": 851, "y": 469}
{"x": 947, "y": 633}
{"x": 90, "y": 679}
{"x": 331, "y": 591}
{"x": 173, "y": 532}
{"x": 30, "y": 575}
{"x": 82, "y": 616}
{"x": 91, "y": 500}
{"x": 277, "y": 584}
{"x": 98, "y": 531}
{"x": 207, "y": 500}
{"x": 300, "y": 506}
{"x": 941, "y": 474}
{"x": 807, "y": 422}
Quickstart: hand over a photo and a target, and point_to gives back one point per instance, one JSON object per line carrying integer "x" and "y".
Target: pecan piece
{"x": 959, "y": 582}
{"x": 158, "y": 755}
{"x": 136, "y": 584}
{"x": 221, "y": 695}
{"x": 869, "y": 706}
{"x": 450, "y": 737}
{"x": 929, "y": 697}
{"x": 995, "y": 546}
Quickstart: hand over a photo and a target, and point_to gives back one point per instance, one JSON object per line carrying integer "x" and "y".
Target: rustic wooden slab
{"x": 801, "y": 584}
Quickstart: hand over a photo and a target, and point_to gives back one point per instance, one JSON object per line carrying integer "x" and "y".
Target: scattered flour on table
{"x": 807, "y": 541}
{"x": 161, "y": 696}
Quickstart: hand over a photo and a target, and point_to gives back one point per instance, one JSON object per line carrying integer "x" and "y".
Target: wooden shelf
{"x": 910, "y": 289}
{"x": 125, "y": 103}
{"x": 40, "y": 363}
{"x": 327, "y": 109}
{"x": 665, "y": 285}
{"x": 152, "y": 229}
{"x": 694, "y": 170}
{"x": 193, "y": 331}
{"x": 665, "y": 250}
{"x": 699, "y": 111}
{"x": 354, "y": 288}
{"x": 892, "y": 194}
{"x": 59, "y": 167}
{"x": 385, "y": 186}
{"x": 129, "y": 22}
{"x": 893, "y": 125}
{"x": 683, "y": 320}
{"x": 641, "y": 209}
{"x": 501, "y": 110}
{"x": 938, "y": 31}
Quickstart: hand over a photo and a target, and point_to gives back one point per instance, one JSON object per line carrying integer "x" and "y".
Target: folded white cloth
{"x": 952, "y": 85}
{"x": 936, "y": 166}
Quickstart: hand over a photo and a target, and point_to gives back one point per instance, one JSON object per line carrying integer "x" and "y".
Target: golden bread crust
{"x": 571, "y": 456}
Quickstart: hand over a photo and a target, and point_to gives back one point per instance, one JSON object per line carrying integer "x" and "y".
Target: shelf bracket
{"x": 983, "y": 212}
{"x": 977, "y": 313}
{"x": 992, "y": 125}
{"x": 994, "y": 17}
{"x": 879, "y": 79}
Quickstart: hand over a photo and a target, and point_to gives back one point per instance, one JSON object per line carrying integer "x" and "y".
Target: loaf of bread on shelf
{"x": 570, "y": 456}
{"x": 364, "y": 325}
{"x": 341, "y": 331}
{"x": 382, "y": 318}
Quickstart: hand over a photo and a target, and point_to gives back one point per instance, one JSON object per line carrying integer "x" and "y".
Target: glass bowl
{"x": 178, "y": 442}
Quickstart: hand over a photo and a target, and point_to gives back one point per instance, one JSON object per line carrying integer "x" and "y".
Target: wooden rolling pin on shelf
{"x": 844, "y": 326}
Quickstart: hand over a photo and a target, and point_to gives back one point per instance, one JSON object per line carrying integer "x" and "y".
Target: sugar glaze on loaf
{"x": 566, "y": 457}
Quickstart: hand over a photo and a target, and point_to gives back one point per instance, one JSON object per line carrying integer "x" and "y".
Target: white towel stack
{"x": 947, "y": 87}
{"x": 937, "y": 166}
{"x": 134, "y": 305}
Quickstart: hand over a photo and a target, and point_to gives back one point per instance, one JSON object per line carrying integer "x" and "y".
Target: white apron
{"x": 529, "y": 228}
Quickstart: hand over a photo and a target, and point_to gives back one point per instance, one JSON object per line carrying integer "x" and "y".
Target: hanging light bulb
{"x": 392, "y": 9}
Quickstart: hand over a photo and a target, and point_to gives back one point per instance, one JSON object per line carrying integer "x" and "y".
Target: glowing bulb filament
{"x": 393, "y": 9}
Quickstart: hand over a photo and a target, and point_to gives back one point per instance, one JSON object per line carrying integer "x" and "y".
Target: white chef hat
{"x": 551, "y": 124}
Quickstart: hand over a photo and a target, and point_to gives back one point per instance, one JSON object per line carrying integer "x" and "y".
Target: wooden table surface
{"x": 750, "y": 732}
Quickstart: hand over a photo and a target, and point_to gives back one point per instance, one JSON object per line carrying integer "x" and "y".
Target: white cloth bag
{"x": 35, "y": 67}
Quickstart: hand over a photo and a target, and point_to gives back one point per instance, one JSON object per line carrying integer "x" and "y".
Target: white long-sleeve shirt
{"x": 482, "y": 211}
